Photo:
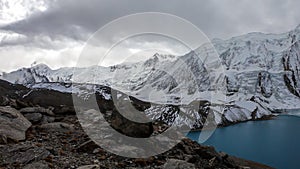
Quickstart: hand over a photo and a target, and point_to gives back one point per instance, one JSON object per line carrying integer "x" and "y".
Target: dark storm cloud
{"x": 216, "y": 18}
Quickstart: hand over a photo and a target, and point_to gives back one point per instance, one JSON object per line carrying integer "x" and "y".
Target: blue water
{"x": 272, "y": 142}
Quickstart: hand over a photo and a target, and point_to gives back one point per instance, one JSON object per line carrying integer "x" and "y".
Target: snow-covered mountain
{"x": 254, "y": 74}
{"x": 161, "y": 74}
{"x": 265, "y": 66}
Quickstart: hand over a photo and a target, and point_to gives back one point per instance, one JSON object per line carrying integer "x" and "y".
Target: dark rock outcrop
{"x": 13, "y": 124}
{"x": 130, "y": 128}
{"x": 61, "y": 103}
{"x": 291, "y": 65}
{"x": 264, "y": 84}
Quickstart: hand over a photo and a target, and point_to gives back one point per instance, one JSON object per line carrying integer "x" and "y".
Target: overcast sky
{"x": 54, "y": 31}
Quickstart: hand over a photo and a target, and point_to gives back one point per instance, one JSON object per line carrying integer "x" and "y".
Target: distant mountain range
{"x": 257, "y": 74}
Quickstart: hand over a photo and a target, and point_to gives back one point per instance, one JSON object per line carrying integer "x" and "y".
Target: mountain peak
{"x": 156, "y": 55}
{"x": 39, "y": 66}
{"x": 164, "y": 56}
{"x": 298, "y": 27}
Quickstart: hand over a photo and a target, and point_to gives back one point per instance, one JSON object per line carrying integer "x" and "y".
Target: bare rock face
{"x": 13, "y": 124}
{"x": 291, "y": 64}
{"x": 264, "y": 85}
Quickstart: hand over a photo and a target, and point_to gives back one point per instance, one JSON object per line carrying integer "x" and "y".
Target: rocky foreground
{"x": 39, "y": 129}
{"x": 35, "y": 137}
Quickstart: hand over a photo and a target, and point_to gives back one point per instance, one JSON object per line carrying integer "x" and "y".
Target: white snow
{"x": 224, "y": 75}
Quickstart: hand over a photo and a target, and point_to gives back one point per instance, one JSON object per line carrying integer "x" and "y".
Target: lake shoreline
{"x": 263, "y": 118}
{"x": 271, "y": 142}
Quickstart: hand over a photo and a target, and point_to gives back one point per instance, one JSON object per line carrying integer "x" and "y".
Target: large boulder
{"x": 13, "y": 125}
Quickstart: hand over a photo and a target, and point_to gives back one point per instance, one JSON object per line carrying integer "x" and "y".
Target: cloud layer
{"x": 56, "y": 31}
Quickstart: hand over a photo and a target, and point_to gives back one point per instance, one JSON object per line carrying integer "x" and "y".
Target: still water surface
{"x": 272, "y": 142}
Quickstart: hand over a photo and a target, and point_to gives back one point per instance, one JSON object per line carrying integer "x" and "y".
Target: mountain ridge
{"x": 253, "y": 72}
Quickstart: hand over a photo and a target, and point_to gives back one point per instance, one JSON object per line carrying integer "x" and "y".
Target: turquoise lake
{"x": 273, "y": 142}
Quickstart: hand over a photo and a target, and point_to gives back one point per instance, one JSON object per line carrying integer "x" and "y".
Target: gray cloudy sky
{"x": 54, "y": 31}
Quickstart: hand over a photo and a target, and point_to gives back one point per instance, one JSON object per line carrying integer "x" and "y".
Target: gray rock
{"x": 88, "y": 146}
{"x": 47, "y": 119}
{"x": 23, "y": 154}
{"x": 34, "y": 117}
{"x": 65, "y": 110}
{"x": 13, "y": 124}
{"x": 4, "y": 101}
{"x": 89, "y": 167}
{"x": 57, "y": 126}
{"x": 37, "y": 165}
{"x": 178, "y": 164}
{"x": 131, "y": 128}
{"x": 3, "y": 139}
{"x": 37, "y": 110}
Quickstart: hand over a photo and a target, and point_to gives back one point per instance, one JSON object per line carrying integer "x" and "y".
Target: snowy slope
{"x": 261, "y": 73}
{"x": 256, "y": 65}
